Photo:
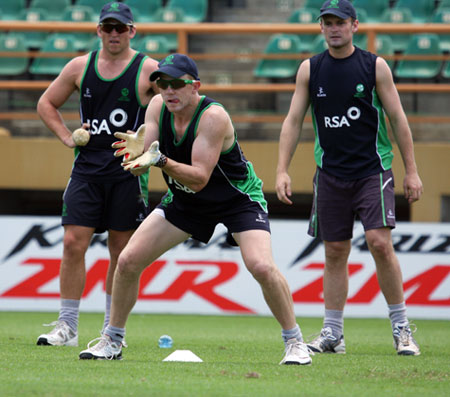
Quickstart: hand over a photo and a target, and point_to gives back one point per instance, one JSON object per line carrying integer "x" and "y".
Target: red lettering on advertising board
{"x": 422, "y": 285}
{"x": 30, "y": 286}
{"x": 186, "y": 282}
{"x": 313, "y": 292}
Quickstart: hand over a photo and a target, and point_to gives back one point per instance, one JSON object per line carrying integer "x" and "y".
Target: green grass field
{"x": 240, "y": 354}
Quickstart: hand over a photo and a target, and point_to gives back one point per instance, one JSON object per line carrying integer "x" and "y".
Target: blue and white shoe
{"x": 105, "y": 349}
{"x": 326, "y": 342}
{"x": 404, "y": 342}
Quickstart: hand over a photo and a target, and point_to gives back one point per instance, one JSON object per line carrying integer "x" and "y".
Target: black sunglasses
{"x": 176, "y": 84}
{"x": 119, "y": 27}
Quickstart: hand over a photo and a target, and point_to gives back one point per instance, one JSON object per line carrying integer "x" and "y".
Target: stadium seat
{"x": 360, "y": 39}
{"x": 315, "y": 4}
{"x": 442, "y": 15}
{"x": 153, "y": 45}
{"x": 319, "y": 45}
{"x": 80, "y": 14}
{"x": 170, "y": 15}
{"x": 399, "y": 15}
{"x": 305, "y": 15}
{"x": 144, "y": 10}
{"x": 420, "y": 44}
{"x": 446, "y": 70}
{"x": 280, "y": 68}
{"x": 94, "y": 44}
{"x": 56, "y": 42}
{"x": 54, "y": 9}
{"x": 11, "y": 10}
{"x": 374, "y": 9}
{"x": 11, "y": 65}
{"x": 422, "y": 10}
{"x": 383, "y": 46}
{"x": 193, "y": 10}
{"x": 34, "y": 39}
{"x": 96, "y": 5}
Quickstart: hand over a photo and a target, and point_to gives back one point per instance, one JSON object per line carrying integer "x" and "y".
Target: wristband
{"x": 162, "y": 161}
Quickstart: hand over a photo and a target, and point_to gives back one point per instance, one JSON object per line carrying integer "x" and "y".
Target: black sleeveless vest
{"x": 108, "y": 105}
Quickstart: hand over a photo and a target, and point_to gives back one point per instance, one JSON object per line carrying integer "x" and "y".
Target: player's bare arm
{"x": 215, "y": 133}
{"x": 57, "y": 94}
{"x": 290, "y": 132}
{"x": 390, "y": 99}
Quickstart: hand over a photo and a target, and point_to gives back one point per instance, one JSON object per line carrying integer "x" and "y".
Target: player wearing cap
{"x": 114, "y": 90}
{"x": 348, "y": 90}
{"x": 192, "y": 139}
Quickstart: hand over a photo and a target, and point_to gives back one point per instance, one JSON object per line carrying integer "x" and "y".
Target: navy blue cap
{"x": 341, "y": 8}
{"x": 116, "y": 10}
{"x": 176, "y": 65}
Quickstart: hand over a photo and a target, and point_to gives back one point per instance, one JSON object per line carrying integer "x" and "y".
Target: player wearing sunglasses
{"x": 114, "y": 90}
{"x": 210, "y": 181}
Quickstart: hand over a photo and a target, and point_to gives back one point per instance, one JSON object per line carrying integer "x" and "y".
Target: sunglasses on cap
{"x": 176, "y": 84}
{"x": 119, "y": 27}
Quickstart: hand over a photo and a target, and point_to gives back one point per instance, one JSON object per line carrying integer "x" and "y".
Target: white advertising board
{"x": 212, "y": 279}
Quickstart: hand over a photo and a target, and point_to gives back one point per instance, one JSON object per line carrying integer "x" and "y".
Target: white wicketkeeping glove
{"x": 131, "y": 145}
{"x": 149, "y": 158}
{"x": 81, "y": 137}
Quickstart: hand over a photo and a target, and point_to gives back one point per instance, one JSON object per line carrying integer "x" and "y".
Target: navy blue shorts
{"x": 120, "y": 205}
{"x": 336, "y": 202}
{"x": 237, "y": 216}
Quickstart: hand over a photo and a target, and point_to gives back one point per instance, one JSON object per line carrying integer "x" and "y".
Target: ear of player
{"x": 151, "y": 157}
{"x": 130, "y": 146}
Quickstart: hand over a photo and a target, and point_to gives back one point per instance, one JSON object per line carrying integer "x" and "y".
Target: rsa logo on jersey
{"x": 212, "y": 279}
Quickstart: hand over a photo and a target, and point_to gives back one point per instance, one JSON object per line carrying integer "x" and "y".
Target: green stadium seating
{"x": 11, "y": 65}
{"x": 144, "y": 10}
{"x": 193, "y": 10}
{"x": 80, "y": 14}
{"x": 374, "y": 9}
{"x": 446, "y": 70}
{"x": 34, "y": 39}
{"x": 279, "y": 68}
{"x": 442, "y": 15}
{"x": 56, "y": 42}
{"x": 96, "y": 5}
{"x": 420, "y": 44}
{"x": 54, "y": 9}
{"x": 153, "y": 45}
{"x": 11, "y": 9}
{"x": 170, "y": 15}
{"x": 360, "y": 39}
{"x": 316, "y": 4}
{"x": 305, "y": 15}
{"x": 319, "y": 45}
{"x": 384, "y": 47}
{"x": 422, "y": 10}
{"x": 398, "y": 15}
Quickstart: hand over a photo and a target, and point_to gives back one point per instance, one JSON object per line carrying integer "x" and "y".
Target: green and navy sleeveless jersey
{"x": 351, "y": 140}
{"x": 108, "y": 105}
{"x": 233, "y": 178}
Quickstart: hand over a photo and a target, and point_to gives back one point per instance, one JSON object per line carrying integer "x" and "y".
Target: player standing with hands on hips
{"x": 114, "y": 88}
{"x": 210, "y": 181}
{"x": 348, "y": 90}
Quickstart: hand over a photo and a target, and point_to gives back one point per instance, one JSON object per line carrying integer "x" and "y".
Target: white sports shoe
{"x": 61, "y": 335}
{"x": 105, "y": 349}
{"x": 326, "y": 342}
{"x": 404, "y": 342}
{"x": 296, "y": 353}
